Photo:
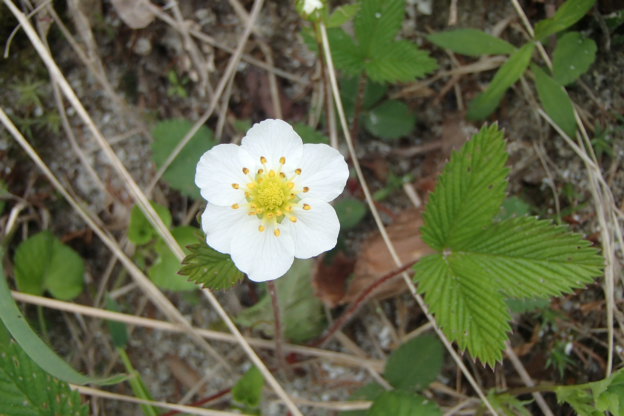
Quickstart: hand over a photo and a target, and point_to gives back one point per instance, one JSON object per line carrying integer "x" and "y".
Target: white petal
{"x": 262, "y": 255}
{"x": 316, "y": 230}
{"x": 218, "y": 169}
{"x": 274, "y": 139}
{"x": 324, "y": 171}
{"x": 218, "y": 223}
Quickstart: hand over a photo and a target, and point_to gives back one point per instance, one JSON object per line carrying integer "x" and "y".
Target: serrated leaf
{"x": 505, "y": 77}
{"x": 513, "y": 207}
{"x": 569, "y": 13}
{"x": 43, "y": 262}
{"x": 468, "y": 308}
{"x": 347, "y": 56}
{"x": 34, "y": 347}
{"x": 378, "y": 22}
{"x": 469, "y": 191}
{"x": 390, "y": 120}
{"x": 164, "y": 271}
{"x": 471, "y": 42}
{"x": 415, "y": 364}
{"x": 398, "y": 61}
{"x": 403, "y": 403}
{"x": 555, "y": 101}
{"x": 573, "y": 56}
{"x": 597, "y": 398}
{"x": 180, "y": 174}
{"x": 248, "y": 390}
{"x": 524, "y": 305}
{"x": 350, "y": 212}
{"x": 25, "y": 389}
{"x": 342, "y": 15}
{"x": 207, "y": 267}
{"x": 140, "y": 230}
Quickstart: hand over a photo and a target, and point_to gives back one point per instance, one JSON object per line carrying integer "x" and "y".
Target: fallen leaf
{"x": 330, "y": 279}
{"x": 134, "y": 13}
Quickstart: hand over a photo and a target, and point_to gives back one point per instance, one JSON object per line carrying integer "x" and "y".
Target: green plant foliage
{"x": 416, "y": 363}
{"x": 402, "y": 403}
{"x": 342, "y": 15}
{"x": 505, "y": 77}
{"x": 302, "y": 312}
{"x": 43, "y": 263}
{"x": 207, "y": 267}
{"x": 555, "y": 101}
{"x": 480, "y": 262}
{"x": 350, "y": 212}
{"x": 164, "y": 271}
{"x": 137, "y": 384}
{"x": 370, "y": 392}
{"x": 309, "y": 134}
{"x": 180, "y": 174}
{"x": 33, "y": 346}
{"x": 373, "y": 93}
{"x": 248, "y": 390}
{"x": 118, "y": 330}
{"x": 507, "y": 404}
{"x": 391, "y": 119}
{"x": 569, "y": 13}
{"x": 375, "y": 49}
{"x": 519, "y": 306}
{"x": 25, "y": 389}
{"x": 596, "y": 399}
{"x": 513, "y": 207}
{"x": 471, "y": 42}
{"x": 573, "y": 56}
{"x": 140, "y": 231}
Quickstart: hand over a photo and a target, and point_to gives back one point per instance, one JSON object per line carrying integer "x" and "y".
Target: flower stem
{"x": 277, "y": 315}
{"x": 355, "y": 305}
{"x": 359, "y": 104}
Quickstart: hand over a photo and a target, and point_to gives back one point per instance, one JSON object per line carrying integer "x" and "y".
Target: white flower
{"x": 310, "y": 6}
{"x": 268, "y": 199}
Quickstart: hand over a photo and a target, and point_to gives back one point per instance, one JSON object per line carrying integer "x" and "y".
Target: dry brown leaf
{"x": 330, "y": 280}
{"x": 134, "y": 13}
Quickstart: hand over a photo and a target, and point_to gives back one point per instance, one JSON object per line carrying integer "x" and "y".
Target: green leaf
{"x": 137, "y": 384}
{"x": 370, "y": 392}
{"x": 596, "y": 398}
{"x": 390, "y": 120}
{"x": 467, "y": 307}
{"x": 342, "y": 15}
{"x": 402, "y": 403}
{"x": 507, "y": 75}
{"x": 398, "y": 61}
{"x": 524, "y": 305}
{"x": 43, "y": 263}
{"x": 573, "y": 56}
{"x": 471, "y": 42}
{"x": 415, "y": 364}
{"x": 118, "y": 330}
{"x": 373, "y": 92}
{"x": 350, "y": 212}
{"x": 248, "y": 390}
{"x": 469, "y": 191}
{"x": 378, "y": 22}
{"x": 513, "y": 207}
{"x": 34, "y": 347}
{"x": 302, "y": 312}
{"x": 27, "y": 390}
{"x": 180, "y": 174}
{"x": 140, "y": 230}
{"x": 555, "y": 101}
{"x": 207, "y": 267}
{"x": 309, "y": 134}
{"x": 164, "y": 272}
{"x": 569, "y": 13}
{"x": 347, "y": 56}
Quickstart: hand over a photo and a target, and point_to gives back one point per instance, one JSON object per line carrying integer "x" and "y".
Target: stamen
{"x": 279, "y": 213}
{"x": 291, "y": 185}
{"x": 282, "y": 160}
{"x": 251, "y": 185}
{"x": 260, "y": 171}
{"x": 289, "y": 208}
{"x": 235, "y": 186}
{"x": 261, "y": 228}
{"x": 245, "y": 171}
{"x": 252, "y": 213}
{"x": 293, "y": 219}
{"x": 263, "y": 160}
{"x": 298, "y": 171}
{"x": 235, "y": 206}
{"x": 272, "y": 173}
{"x": 269, "y": 215}
{"x": 282, "y": 174}
{"x": 306, "y": 189}
{"x": 277, "y": 232}
{"x": 307, "y": 207}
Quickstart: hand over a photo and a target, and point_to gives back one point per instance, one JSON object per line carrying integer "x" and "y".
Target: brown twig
{"x": 279, "y": 351}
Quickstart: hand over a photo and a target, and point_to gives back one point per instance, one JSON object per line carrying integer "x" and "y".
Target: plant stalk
{"x": 278, "y": 336}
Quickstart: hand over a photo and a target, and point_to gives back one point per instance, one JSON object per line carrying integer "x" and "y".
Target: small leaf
{"x": 25, "y": 389}
{"x": 43, "y": 263}
{"x": 398, "y": 61}
{"x": 181, "y": 173}
{"x": 342, "y": 15}
{"x": 309, "y": 134}
{"x": 118, "y": 330}
{"x": 346, "y": 54}
{"x": 573, "y": 56}
{"x": 471, "y": 42}
{"x": 513, "y": 207}
{"x": 415, "y": 364}
{"x": 470, "y": 191}
{"x": 569, "y": 13}
{"x": 402, "y": 403}
{"x": 597, "y": 398}
{"x": 350, "y": 212}
{"x": 164, "y": 272}
{"x": 556, "y": 101}
{"x": 390, "y": 120}
{"x": 248, "y": 390}
{"x": 505, "y": 77}
{"x": 373, "y": 93}
{"x": 140, "y": 231}
{"x": 378, "y": 22}
{"x": 207, "y": 267}
{"x": 370, "y": 392}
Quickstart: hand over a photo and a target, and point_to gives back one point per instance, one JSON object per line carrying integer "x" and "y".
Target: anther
{"x": 282, "y": 174}
{"x": 261, "y": 228}
{"x": 277, "y": 232}
{"x": 272, "y": 173}
{"x": 251, "y": 185}
{"x": 307, "y": 207}
{"x": 279, "y": 213}
{"x": 291, "y": 185}
{"x": 282, "y": 160}
{"x": 269, "y": 215}
{"x": 298, "y": 171}
{"x": 245, "y": 171}
{"x": 235, "y": 186}
{"x": 260, "y": 171}
{"x": 235, "y": 206}
{"x": 306, "y": 189}
{"x": 293, "y": 219}
{"x": 263, "y": 160}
